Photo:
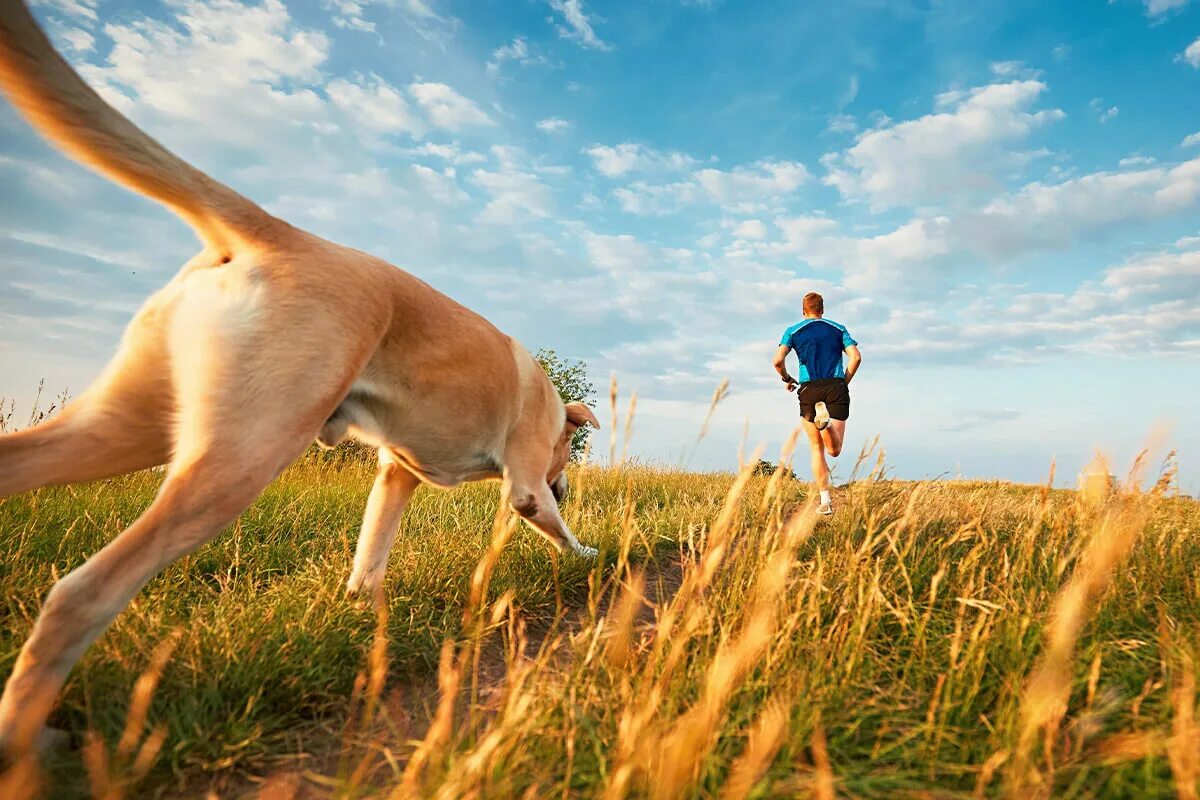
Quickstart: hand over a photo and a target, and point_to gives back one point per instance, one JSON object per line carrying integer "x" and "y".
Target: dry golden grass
{"x": 938, "y": 639}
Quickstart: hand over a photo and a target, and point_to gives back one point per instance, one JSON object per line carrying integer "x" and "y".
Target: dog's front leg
{"x": 393, "y": 486}
{"x": 532, "y": 498}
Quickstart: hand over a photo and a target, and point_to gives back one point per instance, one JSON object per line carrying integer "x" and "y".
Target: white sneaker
{"x": 825, "y": 509}
{"x": 821, "y": 416}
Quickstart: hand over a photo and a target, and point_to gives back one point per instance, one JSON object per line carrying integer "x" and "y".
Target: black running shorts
{"x": 833, "y": 392}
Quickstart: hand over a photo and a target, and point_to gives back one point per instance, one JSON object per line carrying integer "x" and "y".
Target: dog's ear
{"x": 578, "y": 414}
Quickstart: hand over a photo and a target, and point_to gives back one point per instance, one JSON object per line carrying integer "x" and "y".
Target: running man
{"x": 824, "y": 398}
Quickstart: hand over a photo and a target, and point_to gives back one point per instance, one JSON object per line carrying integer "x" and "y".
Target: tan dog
{"x": 267, "y": 338}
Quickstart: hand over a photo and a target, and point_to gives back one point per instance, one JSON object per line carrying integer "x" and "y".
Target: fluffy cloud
{"x": 516, "y": 196}
{"x": 958, "y": 151}
{"x": 69, "y": 37}
{"x": 1192, "y": 54}
{"x": 629, "y": 157}
{"x": 553, "y": 125}
{"x": 441, "y": 186}
{"x": 1144, "y": 307}
{"x": 376, "y": 106}
{"x": 1156, "y": 8}
{"x": 842, "y": 123}
{"x": 740, "y": 190}
{"x": 447, "y": 108}
{"x": 1054, "y": 215}
{"x": 578, "y": 26}
{"x": 1191, "y": 141}
{"x": 451, "y": 153}
{"x": 350, "y": 15}
{"x": 517, "y": 51}
{"x": 750, "y": 229}
{"x": 919, "y": 258}
{"x": 1103, "y": 114}
{"x": 620, "y": 254}
{"x": 762, "y": 178}
{"x": 83, "y": 10}
{"x": 222, "y": 62}
{"x": 905, "y": 259}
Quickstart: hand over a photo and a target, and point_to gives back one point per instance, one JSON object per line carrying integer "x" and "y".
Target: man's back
{"x": 818, "y": 344}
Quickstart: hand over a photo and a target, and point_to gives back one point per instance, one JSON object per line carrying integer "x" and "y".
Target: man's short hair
{"x": 814, "y": 304}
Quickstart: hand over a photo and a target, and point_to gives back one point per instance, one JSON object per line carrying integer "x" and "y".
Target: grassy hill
{"x": 944, "y": 639}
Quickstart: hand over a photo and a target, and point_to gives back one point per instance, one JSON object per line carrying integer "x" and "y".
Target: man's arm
{"x": 780, "y": 364}
{"x": 853, "y": 359}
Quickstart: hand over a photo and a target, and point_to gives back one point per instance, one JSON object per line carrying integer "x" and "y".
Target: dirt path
{"x": 325, "y": 755}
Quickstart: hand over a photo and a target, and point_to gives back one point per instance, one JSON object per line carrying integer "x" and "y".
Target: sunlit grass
{"x": 951, "y": 636}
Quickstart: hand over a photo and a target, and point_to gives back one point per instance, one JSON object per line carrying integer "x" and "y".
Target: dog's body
{"x": 268, "y": 338}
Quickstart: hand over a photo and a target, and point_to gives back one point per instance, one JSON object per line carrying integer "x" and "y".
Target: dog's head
{"x": 577, "y": 416}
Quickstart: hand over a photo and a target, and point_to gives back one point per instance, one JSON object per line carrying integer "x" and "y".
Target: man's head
{"x": 814, "y": 305}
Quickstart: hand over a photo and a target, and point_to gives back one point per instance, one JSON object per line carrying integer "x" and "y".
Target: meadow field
{"x": 938, "y": 639}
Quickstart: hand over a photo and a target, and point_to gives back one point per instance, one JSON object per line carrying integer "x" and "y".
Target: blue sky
{"x": 998, "y": 198}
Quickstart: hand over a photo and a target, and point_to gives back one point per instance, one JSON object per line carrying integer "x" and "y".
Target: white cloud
{"x": 1103, "y": 114}
{"x": 628, "y": 157}
{"x": 350, "y": 15}
{"x": 920, "y": 256}
{"x": 1130, "y": 162}
{"x": 750, "y": 229}
{"x": 517, "y": 51}
{"x": 447, "y": 108}
{"x": 1053, "y": 215}
{"x": 1192, "y": 54}
{"x": 441, "y": 186}
{"x": 447, "y": 152}
{"x": 747, "y": 183}
{"x": 553, "y": 125}
{"x": 744, "y": 189}
{"x": 579, "y": 26}
{"x": 956, "y": 151}
{"x": 847, "y": 97}
{"x": 84, "y": 10}
{"x": 618, "y": 254}
{"x": 217, "y": 61}
{"x": 70, "y": 38}
{"x": 1142, "y": 308}
{"x": 1191, "y": 141}
{"x": 842, "y": 123}
{"x": 906, "y": 258}
{"x": 78, "y": 39}
{"x": 1012, "y": 69}
{"x": 516, "y": 196}
{"x": 1160, "y": 276}
{"x": 1156, "y": 7}
{"x": 376, "y": 106}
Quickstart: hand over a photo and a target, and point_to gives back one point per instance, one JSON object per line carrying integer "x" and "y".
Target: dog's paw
{"x": 364, "y": 592}
{"x": 584, "y": 551}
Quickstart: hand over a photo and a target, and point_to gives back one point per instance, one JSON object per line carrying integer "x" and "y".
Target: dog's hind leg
{"x": 231, "y": 437}
{"x": 120, "y": 424}
{"x": 202, "y": 493}
{"x": 393, "y": 487}
{"x": 224, "y": 459}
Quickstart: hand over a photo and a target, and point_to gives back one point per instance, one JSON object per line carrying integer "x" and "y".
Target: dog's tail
{"x": 57, "y": 102}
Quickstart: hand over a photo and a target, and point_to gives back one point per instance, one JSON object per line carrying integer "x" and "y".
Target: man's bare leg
{"x": 833, "y": 436}
{"x": 820, "y": 470}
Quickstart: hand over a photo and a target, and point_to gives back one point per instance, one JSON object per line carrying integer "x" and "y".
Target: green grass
{"x": 913, "y": 690}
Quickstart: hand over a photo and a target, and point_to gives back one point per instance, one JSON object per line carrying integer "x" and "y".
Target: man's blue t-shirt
{"x": 818, "y": 343}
